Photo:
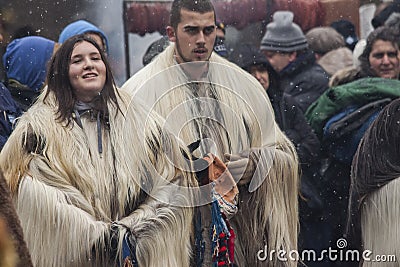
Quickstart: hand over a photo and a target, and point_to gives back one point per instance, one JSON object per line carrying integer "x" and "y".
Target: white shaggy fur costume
{"x": 374, "y": 213}
{"x": 231, "y": 114}
{"x": 380, "y": 225}
{"x": 67, "y": 194}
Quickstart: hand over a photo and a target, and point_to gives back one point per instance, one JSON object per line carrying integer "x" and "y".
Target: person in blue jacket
{"x": 9, "y": 111}
{"x": 25, "y": 62}
{"x": 87, "y": 28}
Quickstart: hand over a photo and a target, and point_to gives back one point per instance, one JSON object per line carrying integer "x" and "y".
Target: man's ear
{"x": 292, "y": 56}
{"x": 171, "y": 34}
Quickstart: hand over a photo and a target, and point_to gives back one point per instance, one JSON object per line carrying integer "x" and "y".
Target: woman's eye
{"x": 378, "y": 56}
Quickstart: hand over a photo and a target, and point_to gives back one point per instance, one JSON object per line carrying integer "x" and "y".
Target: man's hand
{"x": 241, "y": 167}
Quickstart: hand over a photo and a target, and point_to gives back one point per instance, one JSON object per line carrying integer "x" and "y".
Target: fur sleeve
{"x": 58, "y": 231}
{"x": 162, "y": 223}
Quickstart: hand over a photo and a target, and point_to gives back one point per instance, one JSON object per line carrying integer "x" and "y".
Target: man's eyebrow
{"x": 197, "y": 27}
{"x": 190, "y": 27}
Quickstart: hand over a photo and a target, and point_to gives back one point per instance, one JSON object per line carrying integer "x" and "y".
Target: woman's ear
{"x": 171, "y": 34}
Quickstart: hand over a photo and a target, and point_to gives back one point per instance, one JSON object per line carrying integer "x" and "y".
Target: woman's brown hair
{"x": 59, "y": 83}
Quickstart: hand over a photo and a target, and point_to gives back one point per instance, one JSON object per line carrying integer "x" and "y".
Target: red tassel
{"x": 231, "y": 245}
{"x": 127, "y": 262}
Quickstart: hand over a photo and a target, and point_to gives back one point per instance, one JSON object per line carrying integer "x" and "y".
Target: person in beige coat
{"x": 330, "y": 49}
{"x": 207, "y": 99}
{"x": 93, "y": 175}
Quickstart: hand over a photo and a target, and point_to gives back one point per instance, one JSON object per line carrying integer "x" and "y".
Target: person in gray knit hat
{"x": 283, "y": 35}
{"x": 299, "y": 76}
{"x": 285, "y": 47}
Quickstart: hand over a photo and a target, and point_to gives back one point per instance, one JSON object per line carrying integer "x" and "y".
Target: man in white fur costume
{"x": 92, "y": 174}
{"x": 205, "y": 98}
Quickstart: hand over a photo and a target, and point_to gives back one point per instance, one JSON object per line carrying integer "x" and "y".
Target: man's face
{"x": 384, "y": 60}
{"x": 194, "y": 36}
{"x": 279, "y": 60}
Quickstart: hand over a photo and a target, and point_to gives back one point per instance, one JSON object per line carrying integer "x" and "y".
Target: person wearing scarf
{"x": 96, "y": 180}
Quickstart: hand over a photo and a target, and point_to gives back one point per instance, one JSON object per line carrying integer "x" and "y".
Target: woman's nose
{"x": 88, "y": 64}
{"x": 385, "y": 59}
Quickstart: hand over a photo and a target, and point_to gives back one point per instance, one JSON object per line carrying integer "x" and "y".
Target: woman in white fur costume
{"x": 205, "y": 97}
{"x": 374, "y": 208}
{"x": 90, "y": 172}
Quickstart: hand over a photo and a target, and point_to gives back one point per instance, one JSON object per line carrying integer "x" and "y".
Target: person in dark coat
{"x": 154, "y": 49}
{"x": 343, "y": 113}
{"x": 348, "y": 30}
{"x": 291, "y": 120}
{"x": 380, "y": 18}
{"x": 287, "y": 113}
{"x": 286, "y": 49}
{"x": 9, "y": 111}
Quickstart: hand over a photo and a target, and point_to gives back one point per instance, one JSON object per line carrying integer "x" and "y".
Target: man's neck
{"x": 196, "y": 71}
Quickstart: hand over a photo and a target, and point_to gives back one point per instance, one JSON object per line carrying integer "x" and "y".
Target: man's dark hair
{"x": 200, "y": 6}
{"x": 382, "y": 33}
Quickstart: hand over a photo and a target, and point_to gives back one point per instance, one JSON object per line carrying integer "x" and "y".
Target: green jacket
{"x": 357, "y": 93}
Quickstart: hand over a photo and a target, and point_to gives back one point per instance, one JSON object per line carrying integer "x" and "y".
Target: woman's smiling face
{"x": 87, "y": 71}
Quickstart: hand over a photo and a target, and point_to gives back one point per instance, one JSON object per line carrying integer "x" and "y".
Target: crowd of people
{"x": 210, "y": 155}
